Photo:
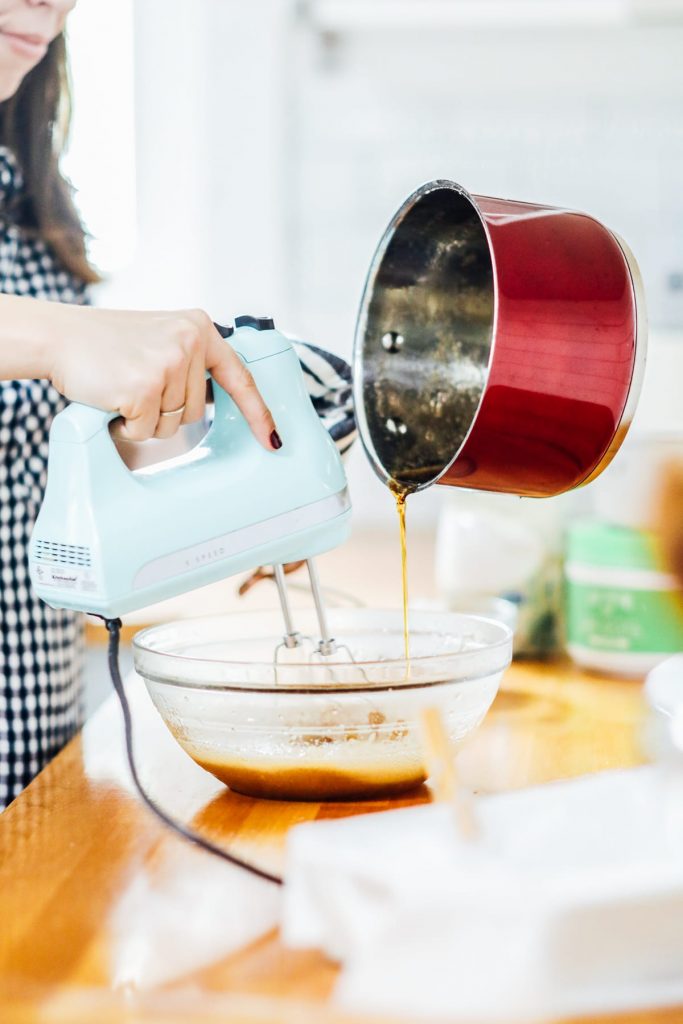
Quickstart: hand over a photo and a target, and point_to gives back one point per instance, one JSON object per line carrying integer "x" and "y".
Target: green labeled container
{"x": 624, "y": 614}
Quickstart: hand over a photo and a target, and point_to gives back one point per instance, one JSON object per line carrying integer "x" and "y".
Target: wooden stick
{"x": 443, "y": 775}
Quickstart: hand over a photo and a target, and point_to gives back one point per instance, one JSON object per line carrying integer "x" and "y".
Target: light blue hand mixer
{"x": 109, "y": 540}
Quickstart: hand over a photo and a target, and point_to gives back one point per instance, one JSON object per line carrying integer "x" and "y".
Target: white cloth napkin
{"x": 570, "y": 901}
{"x": 181, "y": 914}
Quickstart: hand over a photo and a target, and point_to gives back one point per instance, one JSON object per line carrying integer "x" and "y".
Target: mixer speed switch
{"x": 259, "y": 323}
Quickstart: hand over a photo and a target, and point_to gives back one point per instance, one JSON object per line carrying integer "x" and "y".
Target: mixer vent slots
{"x": 64, "y": 554}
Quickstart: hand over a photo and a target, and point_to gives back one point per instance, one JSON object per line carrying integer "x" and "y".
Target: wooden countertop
{"x": 105, "y": 916}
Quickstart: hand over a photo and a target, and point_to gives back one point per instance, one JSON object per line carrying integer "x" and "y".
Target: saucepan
{"x": 500, "y": 345}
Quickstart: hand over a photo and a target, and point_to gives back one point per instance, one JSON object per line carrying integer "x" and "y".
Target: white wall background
{"x": 270, "y": 142}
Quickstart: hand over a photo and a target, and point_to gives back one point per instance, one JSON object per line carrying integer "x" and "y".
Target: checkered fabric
{"x": 41, "y": 648}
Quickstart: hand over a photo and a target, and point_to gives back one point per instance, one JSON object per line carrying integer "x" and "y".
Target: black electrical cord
{"x": 114, "y": 630}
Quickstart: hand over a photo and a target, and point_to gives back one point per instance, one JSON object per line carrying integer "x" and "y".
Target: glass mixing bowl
{"x": 291, "y": 724}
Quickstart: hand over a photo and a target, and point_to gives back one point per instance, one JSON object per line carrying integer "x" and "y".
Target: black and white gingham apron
{"x": 41, "y": 648}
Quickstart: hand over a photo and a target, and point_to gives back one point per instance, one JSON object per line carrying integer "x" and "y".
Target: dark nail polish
{"x": 276, "y": 440}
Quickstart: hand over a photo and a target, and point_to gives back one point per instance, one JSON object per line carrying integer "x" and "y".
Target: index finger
{"x": 228, "y": 370}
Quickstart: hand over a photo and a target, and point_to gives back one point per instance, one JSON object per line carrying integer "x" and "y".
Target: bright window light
{"x": 100, "y": 160}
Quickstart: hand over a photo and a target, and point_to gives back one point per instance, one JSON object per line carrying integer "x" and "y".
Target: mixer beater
{"x": 327, "y": 645}
{"x": 293, "y": 638}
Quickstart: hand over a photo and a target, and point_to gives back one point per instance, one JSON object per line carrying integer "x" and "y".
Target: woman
{"x": 148, "y": 366}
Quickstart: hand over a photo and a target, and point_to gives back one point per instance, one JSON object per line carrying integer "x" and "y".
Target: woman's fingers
{"x": 141, "y": 422}
{"x": 233, "y": 376}
{"x": 143, "y": 364}
{"x": 173, "y": 399}
{"x": 195, "y": 394}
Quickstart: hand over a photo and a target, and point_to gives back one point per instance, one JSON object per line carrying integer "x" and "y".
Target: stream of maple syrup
{"x": 400, "y": 494}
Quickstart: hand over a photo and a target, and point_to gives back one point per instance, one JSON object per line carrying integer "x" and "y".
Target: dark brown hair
{"x": 34, "y": 124}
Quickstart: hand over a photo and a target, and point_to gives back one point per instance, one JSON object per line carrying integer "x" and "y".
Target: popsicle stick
{"x": 443, "y": 775}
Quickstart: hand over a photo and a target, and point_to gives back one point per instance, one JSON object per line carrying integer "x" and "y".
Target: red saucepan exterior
{"x": 500, "y": 345}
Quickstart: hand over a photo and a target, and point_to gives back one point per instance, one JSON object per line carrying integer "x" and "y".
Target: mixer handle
{"x": 80, "y": 424}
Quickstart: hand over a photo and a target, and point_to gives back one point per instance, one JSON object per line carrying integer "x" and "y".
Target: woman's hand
{"x": 147, "y": 365}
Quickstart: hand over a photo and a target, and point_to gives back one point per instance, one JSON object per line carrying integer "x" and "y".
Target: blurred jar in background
{"x": 623, "y": 602}
{"x": 623, "y": 614}
{"x": 628, "y": 492}
{"x": 663, "y": 726}
{"x": 669, "y": 515}
{"x": 497, "y": 546}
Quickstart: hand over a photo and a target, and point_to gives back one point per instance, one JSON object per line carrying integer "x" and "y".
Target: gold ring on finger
{"x": 174, "y": 412}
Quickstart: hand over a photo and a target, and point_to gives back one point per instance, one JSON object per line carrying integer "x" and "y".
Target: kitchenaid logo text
{"x": 205, "y": 556}
{"x": 67, "y": 579}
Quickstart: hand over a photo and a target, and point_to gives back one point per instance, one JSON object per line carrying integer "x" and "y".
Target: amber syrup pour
{"x": 400, "y": 494}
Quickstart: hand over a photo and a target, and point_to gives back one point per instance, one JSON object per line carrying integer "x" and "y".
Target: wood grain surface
{"x": 106, "y": 916}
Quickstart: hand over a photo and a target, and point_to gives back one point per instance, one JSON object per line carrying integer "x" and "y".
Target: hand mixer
{"x": 109, "y": 541}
